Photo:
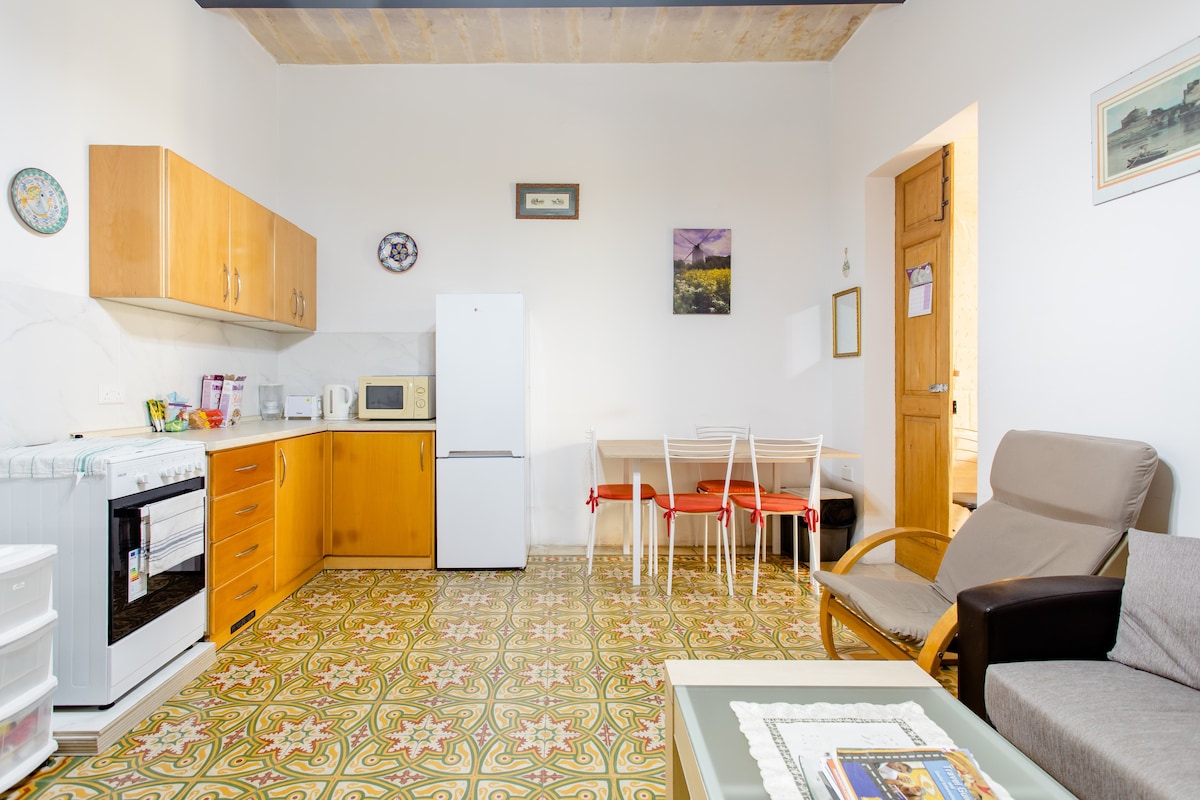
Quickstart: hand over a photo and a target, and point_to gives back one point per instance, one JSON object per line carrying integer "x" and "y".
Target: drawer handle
{"x": 247, "y": 551}
{"x": 247, "y": 509}
{"x": 248, "y": 592}
{"x": 247, "y": 468}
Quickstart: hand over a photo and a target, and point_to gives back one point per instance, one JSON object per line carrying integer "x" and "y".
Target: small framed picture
{"x": 547, "y": 201}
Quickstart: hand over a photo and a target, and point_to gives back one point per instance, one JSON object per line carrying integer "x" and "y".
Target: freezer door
{"x": 481, "y": 513}
{"x": 479, "y": 345}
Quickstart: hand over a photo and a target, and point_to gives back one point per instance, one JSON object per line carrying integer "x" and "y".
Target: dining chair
{"x": 714, "y": 485}
{"x": 679, "y": 453}
{"x": 762, "y": 504}
{"x": 610, "y": 493}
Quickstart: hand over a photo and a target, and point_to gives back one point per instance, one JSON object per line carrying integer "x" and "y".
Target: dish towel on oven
{"x": 73, "y": 456}
{"x": 174, "y": 530}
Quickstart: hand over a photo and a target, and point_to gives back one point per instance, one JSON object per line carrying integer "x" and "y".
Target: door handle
{"x": 247, "y": 468}
{"x": 247, "y": 509}
{"x": 225, "y": 270}
{"x": 422, "y": 455}
{"x": 283, "y": 461}
{"x": 303, "y": 305}
{"x": 237, "y": 292}
{"x": 247, "y": 551}
{"x": 935, "y": 388}
{"x": 295, "y": 302}
{"x": 248, "y": 592}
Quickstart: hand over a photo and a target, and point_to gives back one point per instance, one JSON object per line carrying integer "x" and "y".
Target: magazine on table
{"x": 931, "y": 773}
{"x": 794, "y": 744}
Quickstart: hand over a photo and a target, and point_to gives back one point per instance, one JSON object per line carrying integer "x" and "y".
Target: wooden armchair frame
{"x": 930, "y": 655}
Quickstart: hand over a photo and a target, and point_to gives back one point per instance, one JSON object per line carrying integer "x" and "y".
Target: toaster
{"x": 302, "y": 406}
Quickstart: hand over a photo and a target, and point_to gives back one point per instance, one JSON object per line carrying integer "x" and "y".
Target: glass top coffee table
{"x": 708, "y": 755}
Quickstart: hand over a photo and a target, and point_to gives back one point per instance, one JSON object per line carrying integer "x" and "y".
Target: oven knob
{"x": 141, "y": 479}
{"x": 166, "y": 474}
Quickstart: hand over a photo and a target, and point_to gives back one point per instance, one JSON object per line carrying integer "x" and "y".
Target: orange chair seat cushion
{"x": 623, "y": 491}
{"x": 691, "y": 503}
{"x": 773, "y": 503}
{"x": 716, "y": 486}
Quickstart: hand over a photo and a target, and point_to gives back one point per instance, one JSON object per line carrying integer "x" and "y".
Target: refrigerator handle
{"x": 480, "y": 454}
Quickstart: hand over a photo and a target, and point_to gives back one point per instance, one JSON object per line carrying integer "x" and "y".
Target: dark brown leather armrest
{"x": 1033, "y": 619}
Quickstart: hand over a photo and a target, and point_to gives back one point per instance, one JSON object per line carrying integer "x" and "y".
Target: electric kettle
{"x": 335, "y": 399}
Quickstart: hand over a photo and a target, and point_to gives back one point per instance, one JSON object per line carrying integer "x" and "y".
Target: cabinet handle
{"x": 248, "y": 592}
{"x": 247, "y": 551}
{"x": 283, "y": 462}
{"x": 303, "y": 305}
{"x": 247, "y": 509}
{"x": 295, "y": 303}
{"x": 247, "y": 468}
{"x": 225, "y": 271}
{"x": 237, "y": 293}
{"x": 422, "y": 455}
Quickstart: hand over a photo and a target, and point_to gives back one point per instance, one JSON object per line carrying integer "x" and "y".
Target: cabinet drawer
{"x": 240, "y": 510}
{"x": 237, "y": 553}
{"x": 245, "y": 593}
{"x": 231, "y": 470}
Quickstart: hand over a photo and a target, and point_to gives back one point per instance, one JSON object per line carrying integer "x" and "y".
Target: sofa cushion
{"x": 905, "y": 609}
{"x": 1159, "y": 628}
{"x": 1103, "y": 730}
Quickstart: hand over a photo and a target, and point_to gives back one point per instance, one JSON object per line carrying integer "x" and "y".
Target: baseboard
{"x": 89, "y": 732}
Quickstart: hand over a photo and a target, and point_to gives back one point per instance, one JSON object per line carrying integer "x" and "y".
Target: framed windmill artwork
{"x": 702, "y": 270}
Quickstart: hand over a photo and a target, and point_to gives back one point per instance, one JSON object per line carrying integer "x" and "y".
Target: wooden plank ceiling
{"x": 523, "y": 32}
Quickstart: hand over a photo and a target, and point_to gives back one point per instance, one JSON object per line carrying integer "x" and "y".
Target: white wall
{"x": 1086, "y": 313}
{"x": 122, "y": 72}
{"x": 436, "y": 152}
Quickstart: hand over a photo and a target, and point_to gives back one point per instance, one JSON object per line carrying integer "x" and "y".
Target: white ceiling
{"x": 550, "y": 35}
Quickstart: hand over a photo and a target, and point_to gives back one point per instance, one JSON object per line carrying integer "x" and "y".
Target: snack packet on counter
{"x": 205, "y": 418}
{"x": 158, "y": 414}
{"x": 210, "y": 391}
{"x": 230, "y": 405}
{"x": 177, "y": 413}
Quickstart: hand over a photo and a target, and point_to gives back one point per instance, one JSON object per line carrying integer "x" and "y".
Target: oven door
{"x": 156, "y": 554}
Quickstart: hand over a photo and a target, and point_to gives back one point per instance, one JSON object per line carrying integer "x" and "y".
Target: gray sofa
{"x": 1096, "y": 679}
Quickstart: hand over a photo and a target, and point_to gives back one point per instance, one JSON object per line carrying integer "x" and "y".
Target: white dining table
{"x": 633, "y": 451}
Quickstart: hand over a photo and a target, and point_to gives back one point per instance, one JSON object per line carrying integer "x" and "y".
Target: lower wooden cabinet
{"x": 383, "y": 496}
{"x": 299, "y": 508}
{"x": 241, "y": 535}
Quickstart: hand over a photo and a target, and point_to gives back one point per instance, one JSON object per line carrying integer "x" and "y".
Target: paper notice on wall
{"x": 920, "y": 290}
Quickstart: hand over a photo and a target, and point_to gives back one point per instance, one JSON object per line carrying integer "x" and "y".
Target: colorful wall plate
{"x": 397, "y": 252}
{"x": 38, "y": 200}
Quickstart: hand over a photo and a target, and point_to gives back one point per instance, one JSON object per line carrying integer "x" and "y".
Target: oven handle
{"x": 248, "y": 592}
{"x": 247, "y": 509}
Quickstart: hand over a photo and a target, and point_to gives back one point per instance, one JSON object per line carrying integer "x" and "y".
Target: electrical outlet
{"x": 848, "y": 473}
{"x": 111, "y": 394}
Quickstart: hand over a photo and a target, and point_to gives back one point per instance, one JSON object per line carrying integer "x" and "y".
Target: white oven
{"x": 128, "y": 517}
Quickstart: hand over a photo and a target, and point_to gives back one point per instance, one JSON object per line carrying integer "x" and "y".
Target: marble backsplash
{"x": 57, "y": 350}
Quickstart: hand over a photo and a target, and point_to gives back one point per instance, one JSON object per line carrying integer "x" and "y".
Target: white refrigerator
{"x": 482, "y": 477}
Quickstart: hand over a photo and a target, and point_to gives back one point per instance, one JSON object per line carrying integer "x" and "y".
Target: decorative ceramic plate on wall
{"x": 38, "y": 200}
{"x": 397, "y": 252}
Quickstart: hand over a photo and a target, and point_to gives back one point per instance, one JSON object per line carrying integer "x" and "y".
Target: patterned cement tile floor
{"x": 542, "y": 684}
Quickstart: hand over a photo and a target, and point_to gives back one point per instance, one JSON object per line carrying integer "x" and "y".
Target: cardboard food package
{"x": 230, "y": 404}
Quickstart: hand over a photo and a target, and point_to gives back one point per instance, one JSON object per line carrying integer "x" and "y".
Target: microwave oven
{"x": 395, "y": 397}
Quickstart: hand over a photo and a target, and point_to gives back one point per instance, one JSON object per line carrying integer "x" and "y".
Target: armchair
{"x": 1061, "y": 505}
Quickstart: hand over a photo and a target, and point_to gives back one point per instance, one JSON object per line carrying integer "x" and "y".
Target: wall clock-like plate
{"x": 38, "y": 200}
{"x": 397, "y": 252}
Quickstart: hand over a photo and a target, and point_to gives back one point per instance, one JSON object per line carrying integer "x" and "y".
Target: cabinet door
{"x": 295, "y": 275}
{"x": 197, "y": 235}
{"x": 383, "y": 494}
{"x": 299, "y": 506}
{"x": 251, "y": 257}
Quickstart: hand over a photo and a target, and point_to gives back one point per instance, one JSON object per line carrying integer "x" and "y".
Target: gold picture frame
{"x": 847, "y": 329}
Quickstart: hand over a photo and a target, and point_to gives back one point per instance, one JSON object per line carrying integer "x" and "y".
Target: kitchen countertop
{"x": 254, "y": 430}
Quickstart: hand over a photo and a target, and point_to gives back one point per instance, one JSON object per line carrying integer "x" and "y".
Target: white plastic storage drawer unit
{"x": 26, "y": 656}
{"x": 25, "y": 740}
{"x": 26, "y": 573}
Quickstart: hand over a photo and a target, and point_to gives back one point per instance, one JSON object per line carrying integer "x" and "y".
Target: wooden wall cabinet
{"x": 166, "y": 234}
{"x": 382, "y": 496}
{"x": 295, "y": 276}
{"x": 299, "y": 509}
{"x": 241, "y": 535}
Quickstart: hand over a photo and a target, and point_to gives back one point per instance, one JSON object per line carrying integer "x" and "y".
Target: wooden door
{"x": 197, "y": 235}
{"x": 924, "y": 296}
{"x": 383, "y": 494}
{"x": 295, "y": 275}
{"x": 251, "y": 257}
{"x": 299, "y": 506}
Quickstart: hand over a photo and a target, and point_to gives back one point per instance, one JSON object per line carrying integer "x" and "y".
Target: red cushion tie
{"x": 593, "y": 499}
{"x": 757, "y": 518}
{"x": 669, "y": 515}
{"x": 723, "y": 515}
{"x": 811, "y": 518}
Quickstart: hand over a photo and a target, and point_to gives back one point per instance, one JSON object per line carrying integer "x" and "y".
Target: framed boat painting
{"x": 1146, "y": 126}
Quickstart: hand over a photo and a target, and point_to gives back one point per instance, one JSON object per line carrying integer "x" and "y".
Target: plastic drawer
{"x": 25, "y": 740}
{"x": 25, "y": 656}
{"x": 26, "y": 572}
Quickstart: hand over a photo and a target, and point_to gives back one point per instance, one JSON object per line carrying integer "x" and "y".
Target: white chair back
{"x": 722, "y": 431}
{"x": 784, "y": 451}
{"x": 699, "y": 450}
